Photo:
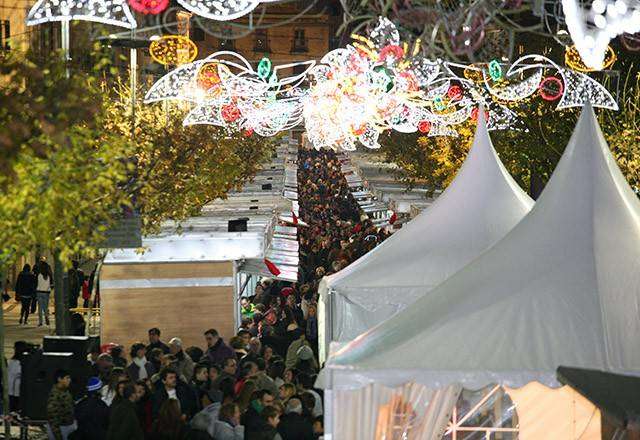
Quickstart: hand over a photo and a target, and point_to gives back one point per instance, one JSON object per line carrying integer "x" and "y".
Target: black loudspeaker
{"x": 239, "y": 225}
{"x": 80, "y": 369}
{"x": 78, "y": 345}
{"x": 36, "y": 381}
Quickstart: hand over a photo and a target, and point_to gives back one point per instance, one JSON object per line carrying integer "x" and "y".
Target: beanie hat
{"x": 94, "y": 384}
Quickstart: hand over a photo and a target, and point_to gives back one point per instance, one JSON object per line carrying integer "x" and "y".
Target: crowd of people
{"x": 34, "y": 285}
{"x": 339, "y": 232}
{"x": 239, "y": 390}
{"x": 258, "y": 385}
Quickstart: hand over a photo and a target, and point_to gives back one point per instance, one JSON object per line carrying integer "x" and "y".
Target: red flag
{"x": 295, "y": 218}
{"x": 272, "y": 267}
{"x": 393, "y": 218}
{"x": 357, "y": 228}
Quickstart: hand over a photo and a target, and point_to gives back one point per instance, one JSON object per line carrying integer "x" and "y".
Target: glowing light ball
{"x": 173, "y": 50}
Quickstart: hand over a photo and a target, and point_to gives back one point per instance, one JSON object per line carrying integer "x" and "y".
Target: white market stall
{"x": 478, "y": 208}
{"x": 562, "y": 288}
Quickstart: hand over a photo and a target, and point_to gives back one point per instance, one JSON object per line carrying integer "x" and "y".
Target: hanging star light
{"x": 112, "y": 12}
{"x": 592, "y": 29}
{"x": 222, "y": 10}
{"x": 173, "y": 50}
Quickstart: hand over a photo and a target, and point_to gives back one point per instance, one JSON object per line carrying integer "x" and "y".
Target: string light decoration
{"x": 149, "y": 7}
{"x": 111, "y": 12}
{"x": 222, "y": 10}
{"x": 573, "y": 60}
{"x": 495, "y": 70}
{"x": 374, "y": 85}
{"x": 592, "y": 29}
{"x": 227, "y": 92}
{"x": 551, "y": 88}
{"x": 173, "y": 50}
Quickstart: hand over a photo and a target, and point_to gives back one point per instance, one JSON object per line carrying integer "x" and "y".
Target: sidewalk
{"x": 30, "y": 333}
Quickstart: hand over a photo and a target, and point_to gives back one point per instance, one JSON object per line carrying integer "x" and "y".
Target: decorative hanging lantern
{"x": 173, "y": 50}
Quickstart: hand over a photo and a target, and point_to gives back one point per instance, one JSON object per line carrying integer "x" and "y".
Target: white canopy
{"x": 478, "y": 208}
{"x": 562, "y": 288}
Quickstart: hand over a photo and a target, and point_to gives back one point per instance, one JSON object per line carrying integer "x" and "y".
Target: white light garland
{"x": 222, "y": 10}
{"x": 229, "y": 93}
{"x": 112, "y": 12}
{"x": 371, "y": 86}
{"x": 591, "y": 30}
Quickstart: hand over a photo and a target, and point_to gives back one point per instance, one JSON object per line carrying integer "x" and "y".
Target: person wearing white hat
{"x": 92, "y": 414}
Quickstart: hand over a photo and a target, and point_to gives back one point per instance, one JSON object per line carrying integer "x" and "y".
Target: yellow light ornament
{"x": 173, "y": 50}
{"x": 573, "y": 60}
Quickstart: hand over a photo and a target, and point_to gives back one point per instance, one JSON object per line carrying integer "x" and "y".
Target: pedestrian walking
{"x": 43, "y": 291}
{"x": 26, "y": 286}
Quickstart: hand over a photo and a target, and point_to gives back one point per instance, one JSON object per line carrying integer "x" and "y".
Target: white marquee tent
{"x": 478, "y": 208}
{"x": 562, "y": 288}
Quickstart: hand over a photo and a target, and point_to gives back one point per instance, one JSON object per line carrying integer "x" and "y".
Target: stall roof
{"x": 478, "y": 208}
{"x": 561, "y": 288}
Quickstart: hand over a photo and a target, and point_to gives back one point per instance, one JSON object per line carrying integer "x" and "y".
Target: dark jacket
{"x": 92, "y": 415}
{"x": 264, "y": 432}
{"x": 293, "y": 426}
{"x": 186, "y": 397}
{"x": 252, "y": 421}
{"x": 134, "y": 371}
{"x": 26, "y": 285}
{"x": 124, "y": 422}
{"x": 161, "y": 345}
{"x": 220, "y": 352}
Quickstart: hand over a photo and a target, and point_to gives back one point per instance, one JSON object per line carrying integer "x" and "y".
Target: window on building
{"x": 299, "y": 41}
{"x": 227, "y": 43}
{"x": 261, "y": 41}
{"x": 5, "y": 34}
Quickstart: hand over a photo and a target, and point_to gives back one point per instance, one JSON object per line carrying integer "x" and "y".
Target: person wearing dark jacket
{"x": 252, "y": 419}
{"x": 155, "y": 342}
{"x": 123, "y": 422}
{"x": 217, "y": 351}
{"x": 169, "y": 387}
{"x": 26, "y": 285}
{"x": 140, "y": 368}
{"x": 293, "y": 426}
{"x": 268, "y": 424}
{"x": 92, "y": 414}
